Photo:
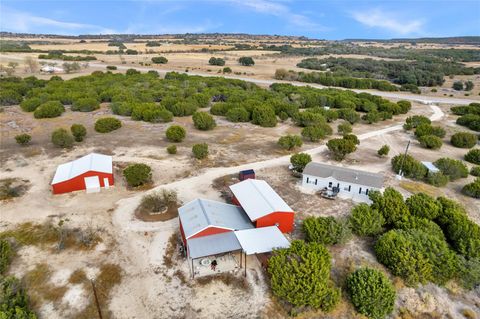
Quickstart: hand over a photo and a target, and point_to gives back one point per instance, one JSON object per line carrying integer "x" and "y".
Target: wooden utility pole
{"x": 400, "y": 172}
{"x": 96, "y": 300}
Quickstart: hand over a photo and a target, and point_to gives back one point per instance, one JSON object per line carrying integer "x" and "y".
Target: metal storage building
{"x": 90, "y": 173}
{"x": 263, "y": 205}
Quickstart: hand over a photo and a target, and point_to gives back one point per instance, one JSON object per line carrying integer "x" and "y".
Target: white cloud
{"x": 19, "y": 21}
{"x": 169, "y": 28}
{"x": 282, "y": 11}
{"x": 377, "y": 18}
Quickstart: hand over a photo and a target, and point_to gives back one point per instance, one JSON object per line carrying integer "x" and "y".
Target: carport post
{"x": 241, "y": 254}
{"x": 193, "y": 271}
{"x": 245, "y": 264}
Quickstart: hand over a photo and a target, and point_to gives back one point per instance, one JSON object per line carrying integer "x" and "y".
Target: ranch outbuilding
{"x": 90, "y": 172}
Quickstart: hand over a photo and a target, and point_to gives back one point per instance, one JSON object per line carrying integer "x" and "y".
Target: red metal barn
{"x": 90, "y": 173}
{"x": 263, "y": 205}
{"x": 201, "y": 217}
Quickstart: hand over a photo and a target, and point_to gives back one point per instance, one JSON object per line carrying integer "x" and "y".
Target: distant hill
{"x": 471, "y": 40}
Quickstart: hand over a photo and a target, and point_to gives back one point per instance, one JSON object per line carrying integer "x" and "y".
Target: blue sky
{"x": 323, "y": 19}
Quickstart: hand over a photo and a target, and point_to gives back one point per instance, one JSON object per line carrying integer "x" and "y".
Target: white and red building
{"x": 90, "y": 173}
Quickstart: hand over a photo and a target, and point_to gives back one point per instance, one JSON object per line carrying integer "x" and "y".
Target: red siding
{"x": 235, "y": 201}
{"x": 283, "y": 219}
{"x": 78, "y": 183}
{"x": 210, "y": 231}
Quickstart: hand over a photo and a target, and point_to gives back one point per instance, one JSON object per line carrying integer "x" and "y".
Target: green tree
{"x": 457, "y": 85}
{"x": 299, "y": 161}
{"x": 23, "y": 139}
{"x": 300, "y": 275}
{"x": 326, "y": 230}
{"x": 473, "y": 156}
{"x": 437, "y": 179}
{"x": 200, "y": 151}
{"x": 366, "y": 221}
{"x": 160, "y": 60}
{"x": 423, "y": 205}
{"x": 203, "y": 121}
{"x": 78, "y": 131}
{"x": 227, "y": 70}
{"x": 340, "y": 148}
{"x": 390, "y": 204}
{"x": 238, "y": 114}
{"x": 216, "y": 61}
{"x": 61, "y": 138}
{"x": 289, "y": 142}
{"x": 137, "y": 174}
{"x": 427, "y": 129}
{"x": 472, "y": 189}
{"x": 317, "y": 132}
{"x": 454, "y": 169}
{"x": 176, "y": 133}
{"x": 371, "y": 292}
{"x": 246, "y": 61}
{"x": 107, "y": 124}
{"x": 49, "y": 109}
{"x": 415, "y": 121}
{"x": 383, "y": 151}
{"x": 172, "y": 149}
{"x": 430, "y": 141}
{"x": 464, "y": 140}
{"x": 264, "y": 116}
{"x": 409, "y": 166}
{"x": 31, "y": 104}
{"x": 85, "y": 105}
{"x": 344, "y": 128}
{"x": 353, "y": 138}
{"x": 469, "y": 85}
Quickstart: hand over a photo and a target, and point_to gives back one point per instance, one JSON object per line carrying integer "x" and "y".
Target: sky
{"x": 319, "y": 19}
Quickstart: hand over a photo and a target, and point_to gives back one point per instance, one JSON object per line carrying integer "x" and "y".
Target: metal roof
{"x": 91, "y": 162}
{"x": 261, "y": 240}
{"x": 258, "y": 199}
{"x": 431, "y": 168}
{"x": 200, "y": 214}
{"x": 212, "y": 245}
{"x": 344, "y": 174}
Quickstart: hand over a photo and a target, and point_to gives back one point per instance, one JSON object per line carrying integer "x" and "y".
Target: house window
{"x": 349, "y": 188}
{"x": 360, "y": 190}
{"x": 366, "y": 192}
{"x": 316, "y": 180}
{"x": 329, "y": 184}
{"x": 307, "y": 180}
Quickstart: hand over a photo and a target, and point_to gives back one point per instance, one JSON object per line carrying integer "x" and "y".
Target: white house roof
{"x": 200, "y": 214}
{"x": 258, "y": 199}
{"x": 91, "y": 162}
{"x": 431, "y": 168}
{"x": 212, "y": 245}
{"x": 344, "y": 174}
{"x": 261, "y": 240}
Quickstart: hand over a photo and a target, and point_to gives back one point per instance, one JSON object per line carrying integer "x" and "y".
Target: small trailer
{"x": 246, "y": 174}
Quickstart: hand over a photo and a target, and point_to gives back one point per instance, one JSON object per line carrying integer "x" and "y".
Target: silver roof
{"x": 431, "y": 167}
{"x": 200, "y": 214}
{"x": 212, "y": 245}
{"x": 261, "y": 240}
{"x": 258, "y": 199}
{"x": 344, "y": 174}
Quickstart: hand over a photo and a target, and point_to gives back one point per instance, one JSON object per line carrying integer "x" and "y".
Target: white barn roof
{"x": 261, "y": 240}
{"x": 200, "y": 214}
{"x": 258, "y": 199}
{"x": 91, "y": 162}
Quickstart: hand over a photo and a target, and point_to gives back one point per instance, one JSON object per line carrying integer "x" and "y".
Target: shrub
{"x": 289, "y": 142}
{"x": 472, "y": 121}
{"x": 182, "y": 108}
{"x": 158, "y": 201}
{"x": 384, "y": 150}
{"x": 111, "y": 67}
{"x": 15, "y": 303}
{"x": 227, "y": 70}
{"x": 472, "y": 189}
{"x": 9, "y": 97}
{"x": 390, "y": 204}
{"x": 344, "y": 128}
{"x": 371, "y": 292}
{"x": 423, "y": 224}
{"x": 366, "y": 221}
{"x": 464, "y": 140}
{"x": 405, "y": 106}
{"x": 454, "y": 169}
{"x": 317, "y": 132}
{"x": 31, "y": 104}
{"x": 78, "y": 131}
{"x": 149, "y": 112}
{"x": 457, "y": 85}
{"x": 422, "y": 205}
{"x": 416, "y": 256}
{"x": 85, "y": 105}
{"x": 415, "y": 121}
{"x": 349, "y": 115}
{"x": 137, "y": 174}
{"x": 216, "y": 61}
{"x": 475, "y": 171}
{"x": 469, "y": 273}
{"x": 299, "y": 161}
{"x": 264, "y": 116}
{"x": 176, "y": 133}
{"x": 6, "y": 254}
{"x": 238, "y": 114}
{"x": 295, "y": 280}
{"x": 246, "y": 61}
{"x": 326, "y": 230}
{"x": 203, "y": 121}
{"x": 61, "y": 138}
{"x": 132, "y": 72}
{"x": 200, "y": 151}
{"x": 437, "y": 179}
{"x": 353, "y": 138}
{"x": 107, "y": 124}
{"x": 427, "y": 129}
{"x": 49, "y": 109}
{"x": 172, "y": 149}
{"x": 340, "y": 148}
{"x": 473, "y": 156}
{"x": 411, "y": 167}
{"x": 23, "y": 139}
{"x": 309, "y": 119}
{"x": 159, "y": 60}
{"x": 430, "y": 141}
